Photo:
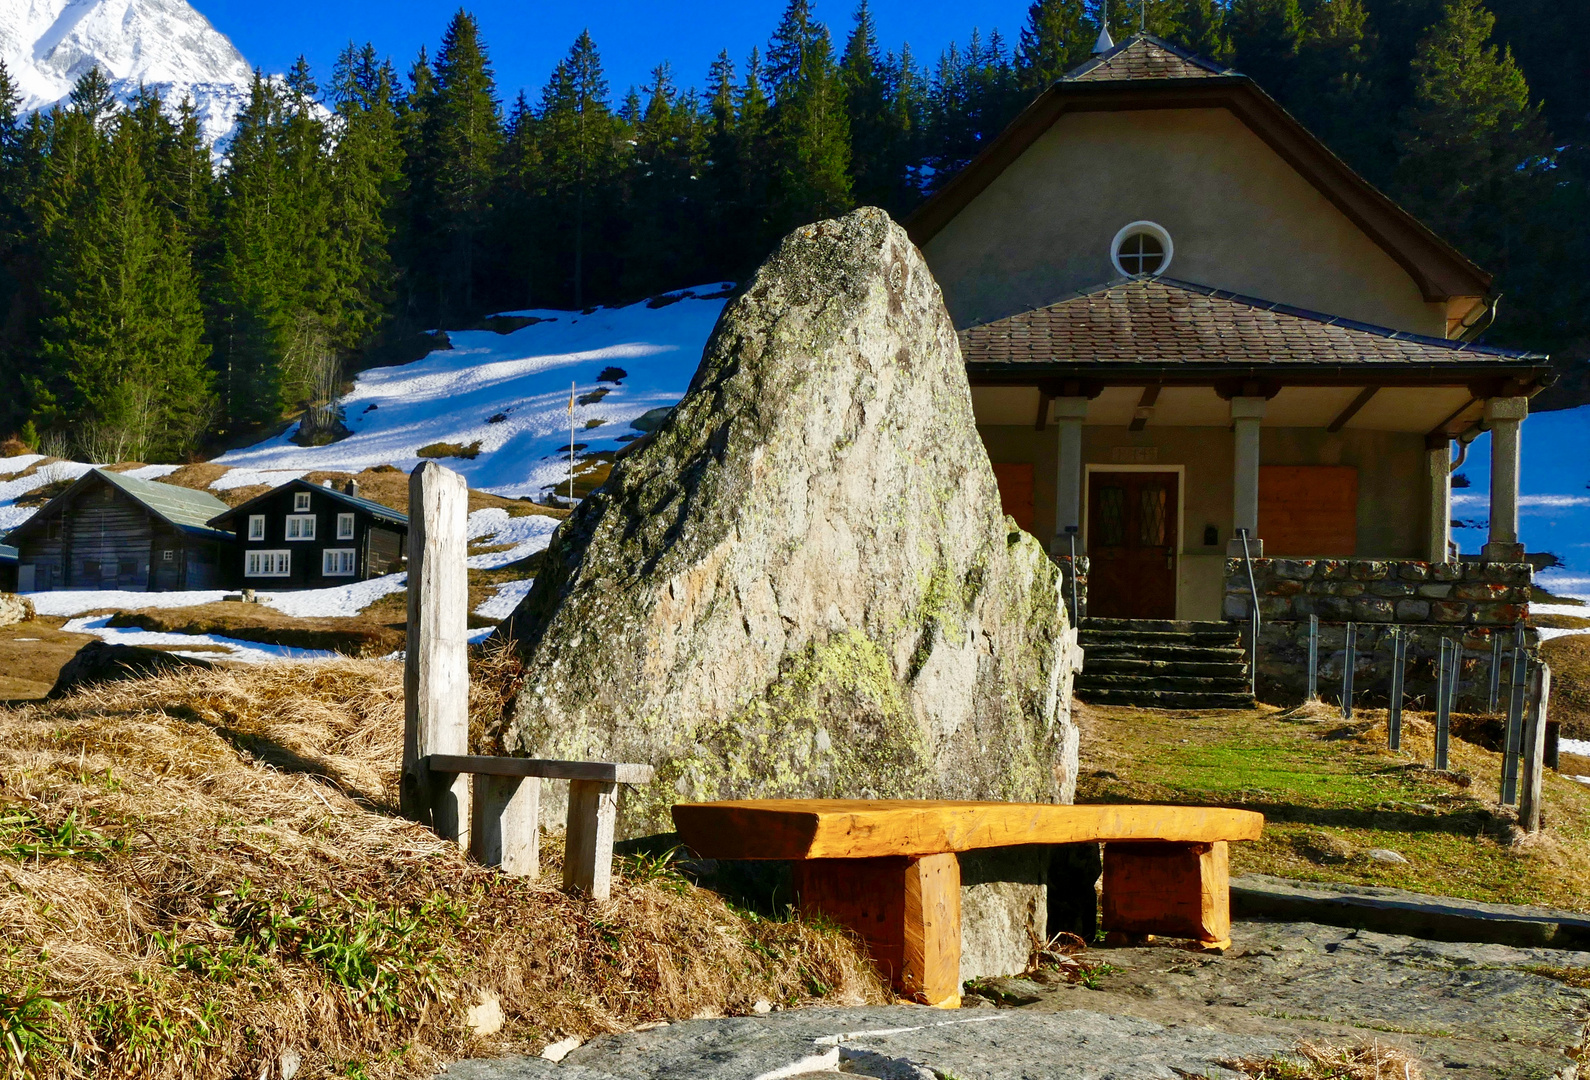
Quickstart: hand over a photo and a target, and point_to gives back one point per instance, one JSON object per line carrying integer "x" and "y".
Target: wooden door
{"x": 1015, "y": 491}
{"x": 1132, "y": 545}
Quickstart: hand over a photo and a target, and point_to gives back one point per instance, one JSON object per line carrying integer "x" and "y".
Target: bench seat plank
{"x": 871, "y": 828}
{"x": 604, "y": 772}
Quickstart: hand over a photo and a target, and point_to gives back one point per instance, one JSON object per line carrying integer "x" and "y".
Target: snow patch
{"x": 252, "y": 652}
{"x": 151, "y": 472}
{"x": 236, "y": 478}
{"x": 340, "y": 601}
{"x": 1581, "y": 747}
{"x": 510, "y": 394}
{"x": 507, "y": 598}
{"x": 76, "y": 602}
{"x": 20, "y": 463}
{"x": 528, "y": 533}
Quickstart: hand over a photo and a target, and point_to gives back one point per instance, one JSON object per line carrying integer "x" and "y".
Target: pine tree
{"x": 1265, "y": 36}
{"x": 1472, "y": 142}
{"x": 1058, "y": 36}
{"x": 463, "y": 137}
{"x": 810, "y": 130}
{"x": 578, "y": 135}
{"x": 872, "y": 130}
{"x": 17, "y": 172}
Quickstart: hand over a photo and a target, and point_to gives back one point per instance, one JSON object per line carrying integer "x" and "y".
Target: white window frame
{"x": 256, "y": 526}
{"x": 344, "y": 526}
{"x": 303, "y": 522}
{"x": 332, "y": 559}
{"x": 1135, "y": 228}
{"x": 300, "y": 501}
{"x": 268, "y": 563}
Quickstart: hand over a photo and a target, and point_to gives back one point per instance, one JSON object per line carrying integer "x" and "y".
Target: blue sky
{"x": 525, "y": 40}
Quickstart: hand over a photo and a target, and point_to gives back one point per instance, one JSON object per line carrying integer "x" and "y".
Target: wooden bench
{"x": 887, "y": 869}
{"x": 505, "y": 813}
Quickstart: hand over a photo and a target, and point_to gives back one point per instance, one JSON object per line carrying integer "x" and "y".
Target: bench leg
{"x": 1177, "y": 890}
{"x": 908, "y": 911}
{"x": 588, "y": 854}
{"x": 505, "y": 829}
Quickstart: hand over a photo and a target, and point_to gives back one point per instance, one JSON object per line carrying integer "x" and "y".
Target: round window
{"x": 1141, "y": 249}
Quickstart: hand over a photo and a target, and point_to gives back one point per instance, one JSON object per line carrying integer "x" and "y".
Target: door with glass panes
{"x": 1132, "y": 545}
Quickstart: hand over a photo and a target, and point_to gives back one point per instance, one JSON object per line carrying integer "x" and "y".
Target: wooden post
{"x": 505, "y": 826}
{"x": 436, "y": 660}
{"x": 1178, "y": 890}
{"x": 588, "y": 843}
{"x": 1534, "y": 746}
{"x": 907, "y": 910}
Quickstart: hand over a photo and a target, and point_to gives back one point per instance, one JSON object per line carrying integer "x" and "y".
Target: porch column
{"x": 1069, "y": 413}
{"x": 1246, "y": 412}
{"x": 1438, "y": 470}
{"x": 1504, "y": 416}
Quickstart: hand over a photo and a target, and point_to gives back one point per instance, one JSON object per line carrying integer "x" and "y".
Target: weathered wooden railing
{"x": 482, "y": 803}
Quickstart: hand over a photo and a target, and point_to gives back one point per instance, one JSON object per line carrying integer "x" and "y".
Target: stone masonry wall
{"x": 1381, "y": 591}
{"x": 1471, "y": 603}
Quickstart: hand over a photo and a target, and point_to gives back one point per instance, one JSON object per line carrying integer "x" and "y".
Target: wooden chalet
{"x": 303, "y": 536}
{"x": 110, "y": 531}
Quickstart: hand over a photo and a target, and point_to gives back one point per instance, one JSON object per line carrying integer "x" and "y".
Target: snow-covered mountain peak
{"x": 47, "y": 45}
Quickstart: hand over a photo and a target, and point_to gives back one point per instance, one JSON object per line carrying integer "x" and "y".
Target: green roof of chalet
{"x": 180, "y": 507}
{"x": 357, "y": 502}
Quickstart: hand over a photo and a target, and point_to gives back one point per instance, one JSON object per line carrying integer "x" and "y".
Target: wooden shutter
{"x": 1015, "y": 492}
{"x": 1308, "y": 510}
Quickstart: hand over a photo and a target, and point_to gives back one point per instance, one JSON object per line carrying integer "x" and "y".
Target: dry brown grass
{"x": 1569, "y": 657}
{"x": 1368, "y": 1061}
{"x": 205, "y": 870}
{"x": 377, "y": 631}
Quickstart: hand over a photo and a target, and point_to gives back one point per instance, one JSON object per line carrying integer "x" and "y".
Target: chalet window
{"x": 168, "y": 556}
{"x": 338, "y": 562}
{"x": 300, "y": 501}
{"x": 344, "y": 526}
{"x": 256, "y": 526}
{"x": 1141, "y": 249}
{"x": 268, "y": 564}
{"x": 301, "y": 527}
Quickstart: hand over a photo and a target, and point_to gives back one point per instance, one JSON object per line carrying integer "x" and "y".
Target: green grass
{"x": 1330, "y": 792}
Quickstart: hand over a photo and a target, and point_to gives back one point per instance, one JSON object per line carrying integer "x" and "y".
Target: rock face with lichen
{"x": 804, "y": 585}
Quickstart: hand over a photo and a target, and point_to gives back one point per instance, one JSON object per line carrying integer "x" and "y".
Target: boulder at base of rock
{"x": 100, "y": 661}
{"x": 14, "y": 608}
{"x": 804, "y": 586}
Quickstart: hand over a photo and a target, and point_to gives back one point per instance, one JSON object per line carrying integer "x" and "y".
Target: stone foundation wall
{"x": 1471, "y": 603}
{"x": 1381, "y": 591}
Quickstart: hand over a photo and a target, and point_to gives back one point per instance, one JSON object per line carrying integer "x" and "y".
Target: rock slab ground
{"x": 804, "y": 585}
{"x": 1480, "y": 1012}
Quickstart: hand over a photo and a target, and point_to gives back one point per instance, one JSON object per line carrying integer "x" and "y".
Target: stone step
{"x": 1198, "y": 654}
{"x": 1166, "y": 699}
{"x": 1158, "y": 626}
{"x": 1144, "y": 667}
{"x": 1178, "y": 683}
{"x": 1210, "y": 640}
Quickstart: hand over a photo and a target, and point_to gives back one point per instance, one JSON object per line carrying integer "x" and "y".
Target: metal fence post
{"x": 1253, "y": 623}
{"x": 1496, "y": 670}
{"x": 1349, "y": 662}
{"x": 1399, "y": 657}
{"x": 1076, "y": 610}
{"x": 1513, "y": 741}
{"x": 1534, "y": 747}
{"x": 1443, "y": 705}
{"x": 1313, "y": 658}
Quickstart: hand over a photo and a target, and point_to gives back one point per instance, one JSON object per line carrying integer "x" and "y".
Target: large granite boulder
{"x": 804, "y": 586}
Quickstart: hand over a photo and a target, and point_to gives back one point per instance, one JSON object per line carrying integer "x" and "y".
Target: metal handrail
{"x": 1253, "y": 593}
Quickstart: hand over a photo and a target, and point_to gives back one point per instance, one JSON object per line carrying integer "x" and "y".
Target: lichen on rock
{"x": 804, "y": 585}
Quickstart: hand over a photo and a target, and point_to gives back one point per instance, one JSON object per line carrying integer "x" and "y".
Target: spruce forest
{"x": 158, "y": 301}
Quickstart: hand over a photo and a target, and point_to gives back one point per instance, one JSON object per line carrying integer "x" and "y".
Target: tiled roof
{"x": 1143, "y": 56}
{"x": 1159, "y": 322}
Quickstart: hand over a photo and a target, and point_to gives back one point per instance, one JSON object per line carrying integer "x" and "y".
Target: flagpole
{"x": 571, "y": 445}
